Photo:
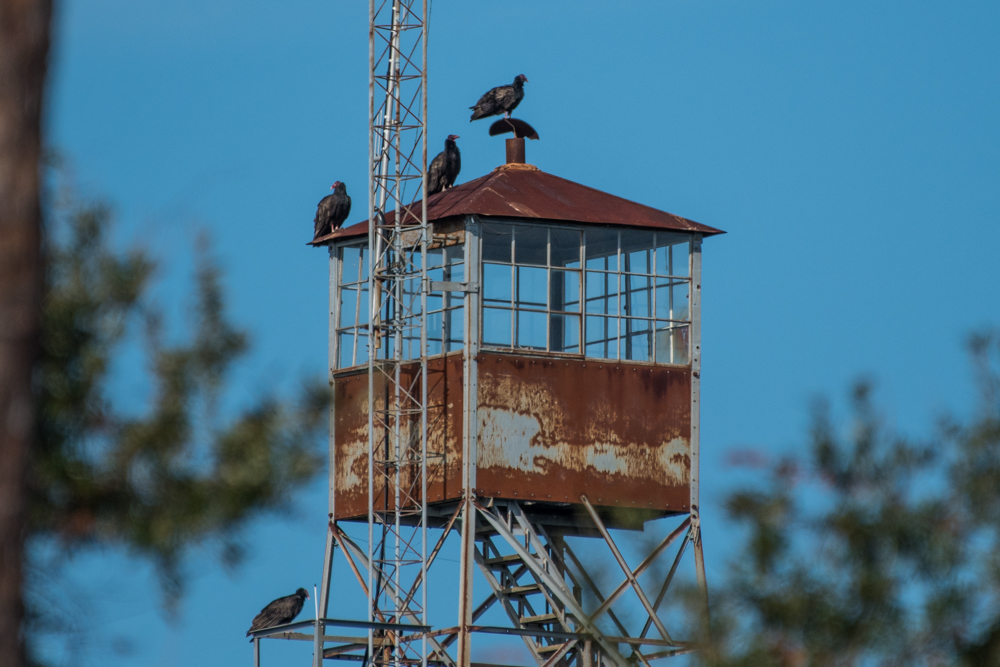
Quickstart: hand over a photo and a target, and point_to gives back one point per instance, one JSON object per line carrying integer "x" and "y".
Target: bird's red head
{"x": 452, "y": 137}
{"x": 522, "y": 78}
{"x": 334, "y": 186}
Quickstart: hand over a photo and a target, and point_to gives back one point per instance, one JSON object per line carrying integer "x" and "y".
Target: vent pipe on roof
{"x": 515, "y": 151}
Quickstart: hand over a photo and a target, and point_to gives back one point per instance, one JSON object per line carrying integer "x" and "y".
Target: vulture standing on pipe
{"x": 500, "y": 100}
{"x": 281, "y": 611}
{"x": 444, "y": 167}
{"x": 332, "y": 211}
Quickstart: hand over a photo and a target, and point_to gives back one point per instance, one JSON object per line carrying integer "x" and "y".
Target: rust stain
{"x": 553, "y": 429}
{"x": 549, "y": 430}
{"x": 444, "y": 442}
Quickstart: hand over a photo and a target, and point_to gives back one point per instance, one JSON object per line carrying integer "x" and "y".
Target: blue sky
{"x": 851, "y": 150}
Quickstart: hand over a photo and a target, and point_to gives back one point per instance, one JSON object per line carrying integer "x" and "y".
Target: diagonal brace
{"x": 625, "y": 568}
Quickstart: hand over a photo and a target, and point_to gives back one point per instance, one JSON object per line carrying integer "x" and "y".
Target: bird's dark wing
{"x": 436, "y": 173}
{"x": 341, "y": 209}
{"x": 511, "y": 100}
{"x": 491, "y": 103}
{"x": 324, "y": 212}
{"x": 282, "y": 610}
{"x": 454, "y": 166}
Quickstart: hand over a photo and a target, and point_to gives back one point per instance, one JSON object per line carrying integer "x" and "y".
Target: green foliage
{"x": 872, "y": 548}
{"x": 171, "y": 476}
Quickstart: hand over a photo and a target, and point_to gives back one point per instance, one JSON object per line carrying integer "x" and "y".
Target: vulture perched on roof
{"x": 332, "y": 211}
{"x": 500, "y": 100}
{"x": 444, "y": 167}
{"x": 281, "y": 611}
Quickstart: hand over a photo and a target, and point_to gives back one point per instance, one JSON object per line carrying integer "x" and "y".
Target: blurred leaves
{"x": 170, "y": 474}
{"x": 870, "y": 548}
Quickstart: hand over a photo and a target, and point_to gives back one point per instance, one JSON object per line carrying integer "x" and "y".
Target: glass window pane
{"x": 345, "y": 349}
{"x": 411, "y": 295}
{"x": 564, "y": 333}
{"x": 602, "y": 249}
{"x": 530, "y": 329}
{"x": 531, "y": 287}
{"x": 434, "y": 302}
{"x": 433, "y": 326}
{"x": 496, "y": 327}
{"x": 497, "y": 243}
{"x": 454, "y": 329}
{"x": 363, "y": 307}
{"x": 638, "y": 261}
{"x": 530, "y": 245}
{"x": 682, "y": 310}
{"x": 411, "y": 343}
{"x": 565, "y": 247}
{"x": 638, "y": 339}
{"x": 637, "y": 300}
{"x": 362, "y": 355}
{"x": 350, "y": 259}
{"x": 637, "y": 244}
{"x": 679, "y": 259}
{"x": 673, "y": 300}
{"x": 455, "y": 260}
{"x": 455, "y": 254}
{"x": 435, "y": 257}
{"x": 364, "y": 264}
{"x": 564, "y": 290}
{"x": 672, "y": 343}
{"x": 348, "y": 307}
{"x": 675, "y": 245}
{"x": 496, "y": 283}
{"x": 602, "y": 292}
{"x": 602, "y": 337}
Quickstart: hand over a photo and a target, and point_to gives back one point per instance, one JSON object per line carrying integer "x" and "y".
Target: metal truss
{"x": 397, "y": 559}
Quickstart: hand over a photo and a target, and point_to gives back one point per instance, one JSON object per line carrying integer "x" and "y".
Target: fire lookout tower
{"x": 561, "y": 366}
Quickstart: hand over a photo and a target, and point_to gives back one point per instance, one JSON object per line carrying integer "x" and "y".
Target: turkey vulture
{"x": 444, "y": 167}
{"x": 281, "y": 611}
{"x": 500, "y": 100}
{"x": 332, "y": 211}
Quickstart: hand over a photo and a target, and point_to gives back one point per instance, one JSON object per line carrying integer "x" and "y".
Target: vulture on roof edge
{"x": 445, "y": 167}
{"x": 332, "y": 211}
{"x": 280, "y": 611}
{"x": 500, "y": 100}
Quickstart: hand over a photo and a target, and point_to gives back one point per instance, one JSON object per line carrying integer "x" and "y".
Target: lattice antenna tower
{"x": 397, "y": 400}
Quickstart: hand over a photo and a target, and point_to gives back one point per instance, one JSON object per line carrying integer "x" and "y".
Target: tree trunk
{"x": 24, "y": 48}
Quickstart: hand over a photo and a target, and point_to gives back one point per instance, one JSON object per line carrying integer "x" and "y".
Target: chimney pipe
{"x": 515, "y": 151}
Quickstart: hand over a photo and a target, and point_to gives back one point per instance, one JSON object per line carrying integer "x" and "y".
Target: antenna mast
{"x": 397, "y": 336}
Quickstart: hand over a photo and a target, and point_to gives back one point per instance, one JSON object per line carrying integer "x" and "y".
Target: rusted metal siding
{"x": 553, "y": 429}
{"x": 350, "y": 395}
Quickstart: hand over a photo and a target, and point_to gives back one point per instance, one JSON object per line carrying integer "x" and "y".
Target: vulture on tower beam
{"x": 332, "y": 211}
{"x": 280, "y": 611}
{"x": 445, "y": 166}
{"x": 500, "y": 100}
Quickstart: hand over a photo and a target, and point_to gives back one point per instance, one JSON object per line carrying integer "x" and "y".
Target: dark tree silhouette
{"x": 24, "y": 48}
{"x": 174, "y": 475}
{"x": 870, "y": 547}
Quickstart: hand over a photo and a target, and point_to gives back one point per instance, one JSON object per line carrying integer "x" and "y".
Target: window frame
{"x": 620, "y": 315}
{"x": 453, "y": 305}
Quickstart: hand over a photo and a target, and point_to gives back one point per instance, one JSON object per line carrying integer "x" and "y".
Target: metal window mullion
{"x": 513, "y": 294}
{"x": 548, "y": 289}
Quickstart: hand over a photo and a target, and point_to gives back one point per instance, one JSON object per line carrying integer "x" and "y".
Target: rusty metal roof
{"x": 525, "y": 191}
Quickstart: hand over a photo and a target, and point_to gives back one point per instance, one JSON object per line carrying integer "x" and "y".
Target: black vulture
{"x": 445, "y": 166}
{"x": 281, "y": 611}
{"x": 500, "y": 100}
{"x": 332, "y": 211}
